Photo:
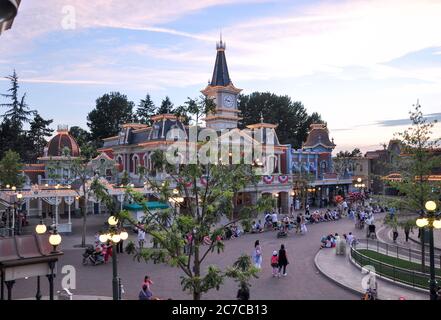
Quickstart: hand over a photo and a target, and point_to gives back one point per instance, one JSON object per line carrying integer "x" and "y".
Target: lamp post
{"x": 431, "y": 221}
{"x": 114, "y": 236}
{"x": 55, "y": 241}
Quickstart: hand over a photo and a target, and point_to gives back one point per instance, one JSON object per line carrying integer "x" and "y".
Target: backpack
{"x": 274, "y": 261}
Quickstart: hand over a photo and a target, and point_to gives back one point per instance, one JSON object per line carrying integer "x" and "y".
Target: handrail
{"x": 400, "y": 252}
{"x": 415, "y": 278}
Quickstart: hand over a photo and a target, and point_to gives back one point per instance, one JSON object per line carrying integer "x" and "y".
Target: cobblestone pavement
{"x": 302, "y": 282}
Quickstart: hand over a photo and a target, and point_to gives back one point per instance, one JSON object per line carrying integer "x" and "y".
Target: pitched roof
{"x": 221, "y": 77}
{"x": 318, "y": 135}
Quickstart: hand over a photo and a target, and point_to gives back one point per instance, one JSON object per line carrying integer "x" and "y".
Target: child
{"x": 275, "y": 263}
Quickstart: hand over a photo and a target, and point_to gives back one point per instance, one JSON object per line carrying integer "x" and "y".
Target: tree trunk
{"x": 197, "y": 273}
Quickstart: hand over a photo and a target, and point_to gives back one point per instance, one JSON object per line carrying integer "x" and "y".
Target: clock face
{"x": 229, "y": 101}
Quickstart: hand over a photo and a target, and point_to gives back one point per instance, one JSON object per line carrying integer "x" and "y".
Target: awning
{"x": 151, "y": 205}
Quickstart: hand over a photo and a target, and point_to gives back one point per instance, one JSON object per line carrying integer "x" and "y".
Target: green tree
{"x": 111, "y": 111}
{"x": 11, "y": 169}
{"x": 194, "y": 109}
{"x": 345, "y": 160}
{"x": 416, "y": 164}
{"x": 17, "y": 110}
{"x": 37, "y": 134}
{"x": 84, "y": 139}
{"x": 166, "y": 106}
{"x": 88, "y": 186}
{"x": 200, "y": 215}
{"x": 291, "y": 117}
{"x": 146, "y": 109}
{"x": 12, "y": 135}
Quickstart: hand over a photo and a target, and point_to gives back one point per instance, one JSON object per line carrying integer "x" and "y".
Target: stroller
{"x": 371, "y": 294}
{"x": 371, "y": 232}
{"x": 93, "y": 257}
{"x": 282, "y": 234}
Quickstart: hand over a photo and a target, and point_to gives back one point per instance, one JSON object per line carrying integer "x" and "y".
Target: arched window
{"x": 135, "y": 161}
{"x": 120, "y": 161}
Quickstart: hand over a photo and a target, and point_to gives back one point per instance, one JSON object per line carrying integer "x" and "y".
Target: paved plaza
{"x": 303, "y": 280}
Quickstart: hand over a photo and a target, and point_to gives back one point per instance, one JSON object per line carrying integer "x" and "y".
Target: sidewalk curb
{"x": 341, "y": 285}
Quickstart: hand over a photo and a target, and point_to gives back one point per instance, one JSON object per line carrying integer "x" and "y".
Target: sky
{"x": 361, "y": 64}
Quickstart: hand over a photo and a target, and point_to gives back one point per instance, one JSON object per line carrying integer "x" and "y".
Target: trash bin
{"x": 64, "y": 294}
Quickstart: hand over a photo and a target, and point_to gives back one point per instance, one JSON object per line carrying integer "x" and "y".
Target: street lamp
{"x": 114, "y": 236}
{"x": 55, "y": 240}
{"x": 40, "y": 228}
{"x": 431, "y": 221}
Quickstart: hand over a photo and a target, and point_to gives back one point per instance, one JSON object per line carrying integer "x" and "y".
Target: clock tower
{"x": 224, "y": 94}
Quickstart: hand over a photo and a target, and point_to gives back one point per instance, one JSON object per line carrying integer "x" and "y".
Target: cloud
{"x": 401, "y": 122}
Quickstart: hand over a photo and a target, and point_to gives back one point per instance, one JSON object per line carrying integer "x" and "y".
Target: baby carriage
{"x": 282, "y": 234}
{"x": 371, "y": 294}
{"x": 371, "y": 232}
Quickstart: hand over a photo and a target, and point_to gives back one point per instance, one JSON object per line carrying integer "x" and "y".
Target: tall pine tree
{"x": 166, "y": 106}
{"x": 146, "y": 109}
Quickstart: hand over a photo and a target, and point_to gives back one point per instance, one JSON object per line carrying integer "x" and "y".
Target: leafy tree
{"x": 416, "y": 164}
{"x": 11, "y": 137}
{"x": 37, "y": 134}
{"x": 345, "y": 161}
{"x": 146, "y": 109}
{"x": 194, "y": 109}
{"x": 11, "y": 169}
{"x": 84, "y": 139}
{"x": 291, "y": 117}
{"x": 242, "y": 271}
{"x": 87, "y": 186}
{"x": 200, "y": 216}
{"x": 166, "y": 106}
{"x": 111, "y": 111}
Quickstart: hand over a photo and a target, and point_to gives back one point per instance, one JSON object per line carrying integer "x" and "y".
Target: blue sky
{"x": 361, "y": 64}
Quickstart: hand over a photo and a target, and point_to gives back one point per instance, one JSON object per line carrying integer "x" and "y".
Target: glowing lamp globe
{"x": 422, "y": 222}
{"x": 437, "y": 224}
{"x": 19, "y": 196}
{"x": 14, "y": 188}
{"x": 112, "y": 221}
{"x": 40, "y": 228}
{"x": 430, "y": 205}
{"x": 8, "y": 186}
{"x": 116, "y": 238}
{"x": 55, "y": 239}
{"x": 359, "y": 180}
{"x": 124, "y": 235}
{"x": 103, "y": 238}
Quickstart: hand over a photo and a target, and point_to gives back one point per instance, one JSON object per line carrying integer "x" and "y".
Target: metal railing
{"x": 397, "y": 274}
{"x": 398, "y": 252}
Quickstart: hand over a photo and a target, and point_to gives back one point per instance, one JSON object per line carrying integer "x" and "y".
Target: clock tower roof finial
{"x": 221, "y": 76}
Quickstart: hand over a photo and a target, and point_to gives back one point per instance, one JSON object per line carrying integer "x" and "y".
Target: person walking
{"x": 407, "y": 230}
{"x": 244, "y": 292}
{"x": 145, "y": 294}
{"x": 395, "y": 234}
{"x": 141, "y": 238}
{"x": 275, "y": 263}
{"x": 257, "y": 255}
{"x": 283, "y": 261}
